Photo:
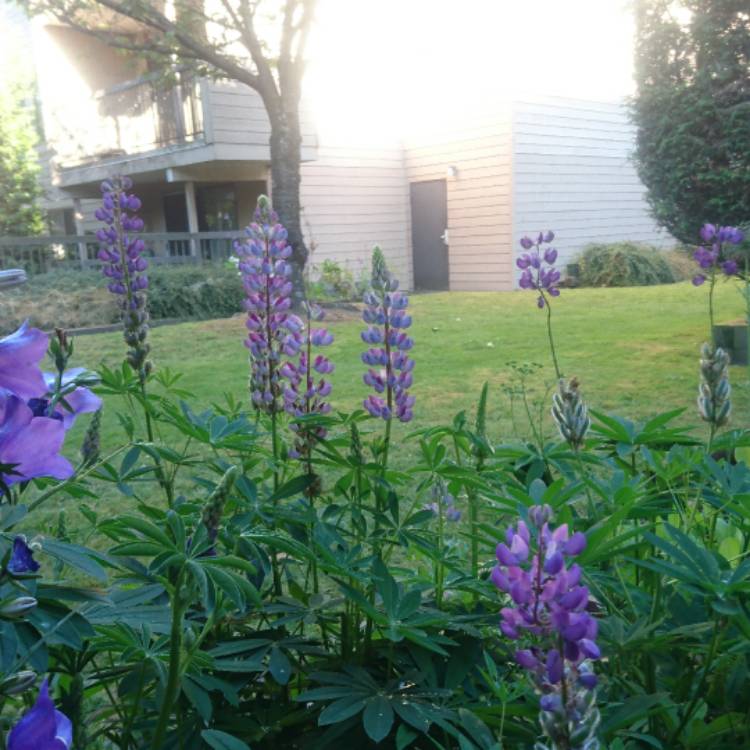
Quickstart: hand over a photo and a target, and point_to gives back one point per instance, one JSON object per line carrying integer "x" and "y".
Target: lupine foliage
{"x": 268, "y": 580}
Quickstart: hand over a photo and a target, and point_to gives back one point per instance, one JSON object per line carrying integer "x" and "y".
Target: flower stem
{"x": 711, "y": 307}
{"x": 173, "y": 678}
{"x": 550, "y": 336}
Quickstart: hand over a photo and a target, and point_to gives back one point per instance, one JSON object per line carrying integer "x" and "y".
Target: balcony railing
{"x": 135, "y": 117}
{"x": 43, "y": 254}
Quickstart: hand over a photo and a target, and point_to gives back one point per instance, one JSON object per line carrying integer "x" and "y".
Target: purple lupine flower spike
{"x": 712, "y": 256}
{"x": 43, "y": 727}
{"x": 307, "y": 393}
{"x": 548, "y": 611}
{"x": 273, "y": 331}
{"x": 391, "y": 367}
{"x": 537, "y": 266}
{"x": 121, "y": 252}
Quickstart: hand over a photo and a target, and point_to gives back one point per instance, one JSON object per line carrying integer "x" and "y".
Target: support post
{"x": 80, "y": 231}
{"x": 192, "y": 217}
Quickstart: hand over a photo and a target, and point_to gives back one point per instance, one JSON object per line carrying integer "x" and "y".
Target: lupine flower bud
{"x": 548, "y": 609}
{"x": 121, "y": 254}
{"x": 570, "y": 413}
{"x": 388, "y": 321}
{"x": 214, "y": 507}
{"x": 91, "y": 446}
{"x": 22, "y": 560}
{"x": 17, "y": 608}
{"x": 17, "y": 683}
{"x": 273, "y": 332}
{"x": 714, "y": 391}
{"x": 443, "y": 503}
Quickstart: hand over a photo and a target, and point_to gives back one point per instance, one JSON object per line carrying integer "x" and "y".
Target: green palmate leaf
{"x": 413, "y": 713}
{"x": 341, "y": 710}
{"x": 279, "y": 666}
{"x": 198, "y": 697}
{"x": 477, "y": 729}
{"x": 405, "y": 736}
{"x": 222, "y": 741}
{"x": 77, "y": 557}
{"x": 377, "y": 718}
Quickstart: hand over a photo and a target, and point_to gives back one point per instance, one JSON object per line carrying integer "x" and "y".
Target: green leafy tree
{"x": 692, "y": 111}
{"x": 19, "y": 166}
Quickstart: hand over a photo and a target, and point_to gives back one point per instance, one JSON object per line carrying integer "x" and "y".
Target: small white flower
{"x": 490, "y": 345}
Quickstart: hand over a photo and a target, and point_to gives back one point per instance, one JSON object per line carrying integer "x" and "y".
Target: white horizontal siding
{"x": 236, "y": 119}
{"x": 573, "y": 173}
{"x": 354, "y": 198}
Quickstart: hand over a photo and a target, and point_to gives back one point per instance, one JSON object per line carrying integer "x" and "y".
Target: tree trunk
{"x": 286, "y": 140}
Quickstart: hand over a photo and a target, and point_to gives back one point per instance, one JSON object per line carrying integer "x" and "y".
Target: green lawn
{"x": 634, "y": 350}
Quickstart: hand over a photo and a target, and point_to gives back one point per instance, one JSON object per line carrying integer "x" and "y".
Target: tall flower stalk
{"x": 714, "y": 260}
{"x": 387, "y": 319}
{"x": 547, "y": 615}
{"x": 304, "y": 397}
{"x": 538, "y": 273}
{"x": 273, "y": 331}
{"x": 121, "y": 253}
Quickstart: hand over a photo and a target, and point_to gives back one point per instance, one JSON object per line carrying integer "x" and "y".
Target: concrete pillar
{"x": 78, "y": 220}
{"x": 192, "y": 217}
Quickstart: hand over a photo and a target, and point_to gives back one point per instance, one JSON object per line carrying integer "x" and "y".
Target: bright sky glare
{"x": 393, "y": 66}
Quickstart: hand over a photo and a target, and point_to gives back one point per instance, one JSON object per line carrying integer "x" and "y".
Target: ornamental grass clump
{"x": 547, "y": 615}
{"x": 385, "y": 313}
{"x": 121, "y": 253}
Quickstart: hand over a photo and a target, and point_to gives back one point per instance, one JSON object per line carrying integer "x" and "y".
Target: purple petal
{"x": 31, "y": 443}
{"x": 20, "y": 355}
{"x": 42, "y": 727}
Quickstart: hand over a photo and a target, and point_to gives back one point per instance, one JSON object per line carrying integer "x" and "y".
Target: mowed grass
{"x": 634, "y": 350}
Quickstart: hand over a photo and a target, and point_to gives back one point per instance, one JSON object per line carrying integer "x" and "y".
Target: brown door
{"x": 429, "y": 236}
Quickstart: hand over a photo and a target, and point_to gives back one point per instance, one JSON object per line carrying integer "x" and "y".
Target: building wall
{"x": 573, "y": 173}
{"x": 237, "y": 123}
{"x": 479, "y": 210}
{"x": 354, "y": 198}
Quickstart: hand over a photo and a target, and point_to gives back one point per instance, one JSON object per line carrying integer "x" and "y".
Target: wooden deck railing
{"x": 50, "y": 252}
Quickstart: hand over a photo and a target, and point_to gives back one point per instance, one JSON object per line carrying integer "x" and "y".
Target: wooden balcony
{"x": 137, "y": 117}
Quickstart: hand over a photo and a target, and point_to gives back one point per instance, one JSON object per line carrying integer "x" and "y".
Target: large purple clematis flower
{"x": 81, "y": 400}
{"x": 22, "y": 558}
{"x": 43, "y": 727}
{"x": 30, "y": 444}
{"x": 20, "y": 355}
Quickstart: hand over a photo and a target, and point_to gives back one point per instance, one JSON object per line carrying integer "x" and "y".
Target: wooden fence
{"x": 47, "y": 253}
